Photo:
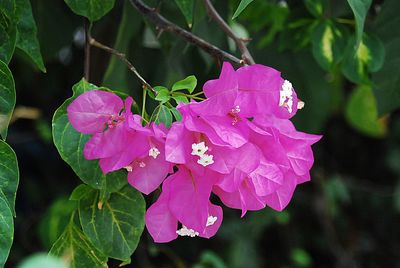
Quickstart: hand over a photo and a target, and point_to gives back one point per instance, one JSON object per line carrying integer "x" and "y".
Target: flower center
{"x": 154, "y": 152}
{"x": 184, "y": 231}
{"x": 286, "y": 96}
{"x": 115, "y": 120}
{"x": 234, "y": 114}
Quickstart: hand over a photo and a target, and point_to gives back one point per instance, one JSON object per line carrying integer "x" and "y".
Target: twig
{"x": 123, "y": 58}
{"x": 87, "y": 50}
{"x": 164, "y": 25}
{"x": 241, "y": 43}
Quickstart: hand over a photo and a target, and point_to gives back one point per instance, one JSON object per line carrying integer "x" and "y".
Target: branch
{"x": 241, "y": 44}
{"x": 123, "y": 58}
{"x": 164, "y": 25}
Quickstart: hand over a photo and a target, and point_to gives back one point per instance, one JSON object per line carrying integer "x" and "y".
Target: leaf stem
{"x": 144, "y": 104}
{"x": 240, "y": 42}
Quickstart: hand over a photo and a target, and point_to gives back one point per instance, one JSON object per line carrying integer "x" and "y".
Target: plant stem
{"x": 87, "y": 50}
{"x": 163, "y": 24}
{"x": 122, "y": 57}
{"x": 241, "y": 43}
{"x": 144, "y": 103}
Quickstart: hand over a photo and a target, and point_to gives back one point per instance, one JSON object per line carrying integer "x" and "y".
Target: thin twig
{"x": 87, "y": 50}
{"x": 241, "y": 43}
{"x": 123, "y": 58}
{"x": 164, "y": 25}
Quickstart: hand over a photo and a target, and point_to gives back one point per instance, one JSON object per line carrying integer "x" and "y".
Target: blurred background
{"x": 347, "y": 216}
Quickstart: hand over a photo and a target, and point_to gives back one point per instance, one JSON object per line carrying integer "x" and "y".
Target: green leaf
{"x": 79, "y": 192}
{"x": 42, "y": 260}
{"x": 163, "y": 95}
{"x": 360, "y": 10}
{"x": 180, "y": 98}
{"x": 362, "y": 113}
{"x": 55, "y": 220}
{"x": 8, "y": 29}
{"x": 162, "y": 114}
{"x": 186, "y": 6}
{"x": 242, "y": 5}
{"x": 91, "y": 9}
{"x": 70, "y": 144}
{"x": 7, "y": 98}
{"x": 6, "y": 229}
{"x": 189, "y": 83}
{"x": 74, "y": 247}
{"x": 315, "y": 7}
{"x": 116, "y": 228}
{"x": 176, "y": 114}
{"x": 387, "y": 80}
{"x": 9, "y": 174}
{"x": 26, "y": 33}
{"x": 117, "y": 74}
{"x": 368, "y": 57}
{"x": 328, "y": 43}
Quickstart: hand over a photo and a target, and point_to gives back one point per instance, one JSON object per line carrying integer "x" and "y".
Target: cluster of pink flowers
{"x": 238, "y": 144}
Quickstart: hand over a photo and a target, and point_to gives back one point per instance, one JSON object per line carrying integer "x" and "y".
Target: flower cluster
{"x": 238, "y": 144}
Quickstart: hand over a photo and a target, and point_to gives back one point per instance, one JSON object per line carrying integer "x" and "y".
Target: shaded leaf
{"x": 186, "y": 6}
{"x": 242, "y": 5}
{"x": 91, "y": 9}
{"x": 162, "y": 114}
{"x": 6, "y": 229}
{"x": 362, "y": 113}
{"x": 117, "y": 227}
{"x": 74, "y": 247}
{"x": 176, "y": 114}
{"x": 387, "y": 80}
{"x": 9, "y": 174}
{"x": 328, "y": 43}
{"x": 360, "y": 10}
{"x": 26, "y": 33}
{"x": 8, "y": 29}
{"x": 79, "y": 192}
{"x": 70, "y": 144}
{"x": 368, "y": 57}
{"x": 7, "y": 98}
{"x": 315, "y": 7}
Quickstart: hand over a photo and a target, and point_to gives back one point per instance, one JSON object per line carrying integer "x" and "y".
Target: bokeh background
{"x": 347, "y": 216}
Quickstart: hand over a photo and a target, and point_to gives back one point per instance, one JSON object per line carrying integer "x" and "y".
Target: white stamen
{"x": 300, "y": 105}
{"x": 205, "y": 160}
{"x": 128, "y": 168}
{"x": 199, "y": 148}
{"x": 236, "y": 109}
{"x": 286, "y": 96}
{"x": 211, "y": 220}
{"x": 142, "y": 164}
{"x": 154, "y": 152}
{"x": 184, "y": 231}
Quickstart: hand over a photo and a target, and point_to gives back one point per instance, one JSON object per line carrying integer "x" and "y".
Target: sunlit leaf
{"x": 362, "y": 113}
{"x": 7, "y": 98}
{"x": 360, "y": 10}
{"x": 189, "y": 83}
{"x": 116, "y": 227}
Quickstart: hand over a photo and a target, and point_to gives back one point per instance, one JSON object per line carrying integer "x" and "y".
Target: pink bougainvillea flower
{"x": 185, "y": 199}
{"x": 258, "y": 90}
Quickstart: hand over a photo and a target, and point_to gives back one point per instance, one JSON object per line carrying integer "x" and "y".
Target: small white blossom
{"x": 286, "y": 96}
{"x": 300, "y": 105}
{"x": 184, "y": 231}
{"x": 211, "y": 220}
{"x": 205, "y": 160}
{"x": 128, "y": 168}
{"x": 199, "y": 148}
{"x": 154, "y": 152}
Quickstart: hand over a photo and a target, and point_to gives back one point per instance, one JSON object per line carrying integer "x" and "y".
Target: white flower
{"x": 184, "y": 231}
{"x": 128, "y": 168}
{"x": 211, "y": 220}
{"x": 199, "y": 148}
{"x": 286, "y": 96}
{"x": 154, "y": 152}
{"x": 205, "y": 160}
